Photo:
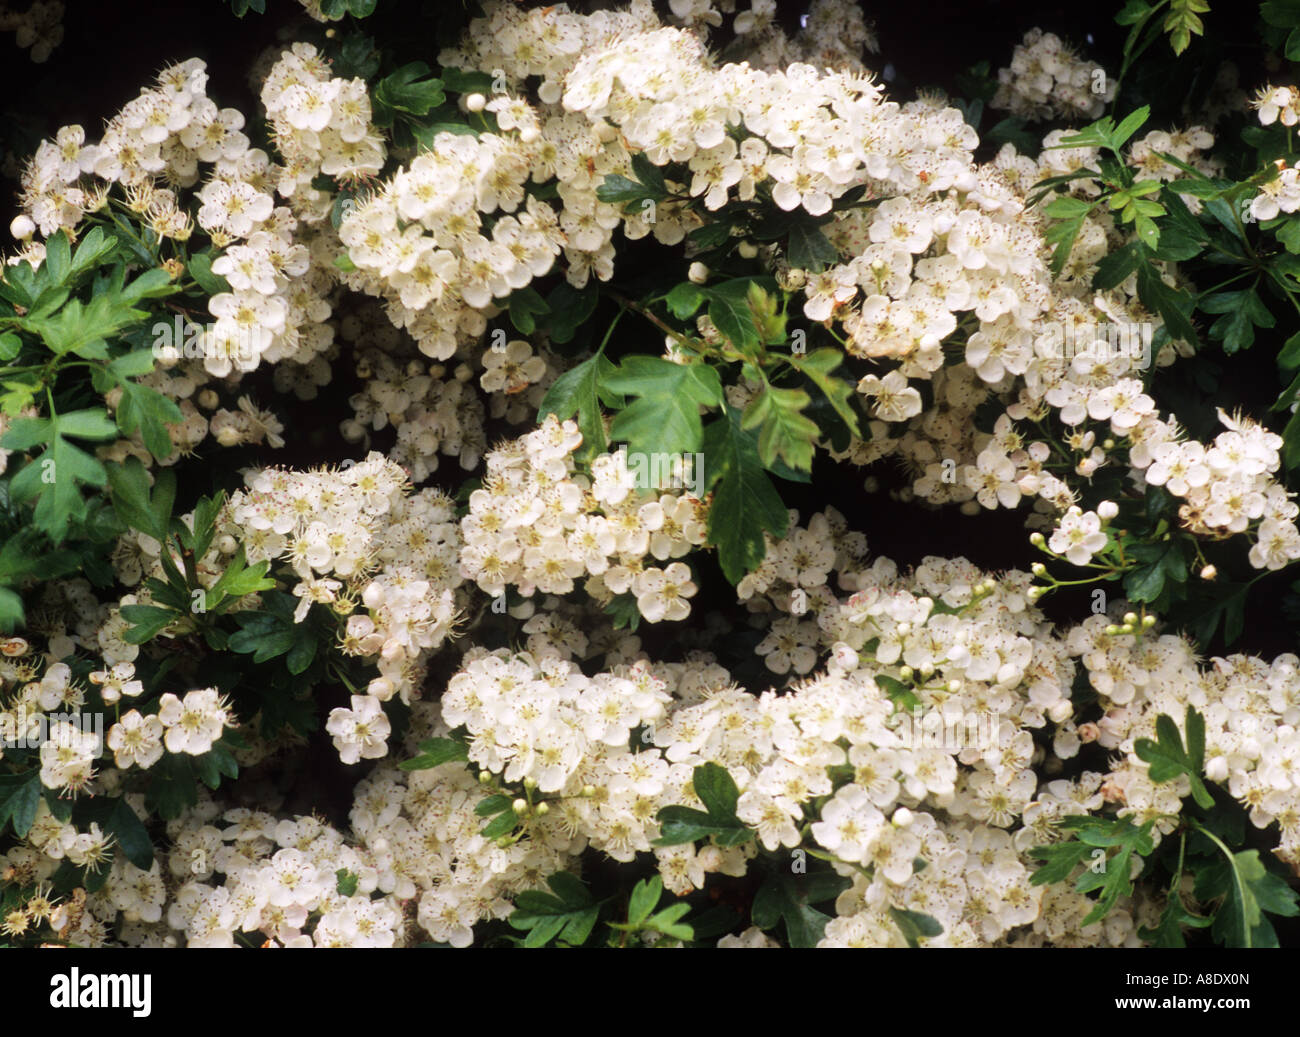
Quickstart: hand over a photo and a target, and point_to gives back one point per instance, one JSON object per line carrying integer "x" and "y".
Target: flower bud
{"x": 22, "y": 227}
{"x": 698, "y": 273}
{"x": 1209, "y": 572}
{"x": 475, "y": 102}
{"x": 1107, "y": 510}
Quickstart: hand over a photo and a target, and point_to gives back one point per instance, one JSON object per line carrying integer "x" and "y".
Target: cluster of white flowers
{"x": 1278, "y": 195}
{"x": 1228, "y": 488}
{"x": 276, "y": 309}
{"x": 280, "y": 879}
{"x": 1277, "y": 104}
{"x": 322, "y": 124}
{"x": 974, "y": 648}
{"x": 536, "y": 524}
{"x": 432, "y": 414}
{"x": 162, "y": 134}
{"x": 356, "y": 535}
{"x": 38, "y": 29}
{"x": 1047, "y": 78}
{"x": 1250, "y": 706}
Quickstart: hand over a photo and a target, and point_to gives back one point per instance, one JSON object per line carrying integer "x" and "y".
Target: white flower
{"x": 360, "y": 732}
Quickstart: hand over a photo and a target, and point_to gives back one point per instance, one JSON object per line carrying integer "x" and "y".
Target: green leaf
{"x": 525, "y": 307}
{"x": 1162, "y": 561}
{"x": 1066, "y": 207}
{"x": 807, "y": 248}
{"x": 490, "y": 805}
{"x": 126, "y": 827}
{"x": 623, "y": 609}
{"x": 902, "y": 696}
{"x": 579, "y": 392}
{"x": 569, "y": 309}
{"x": 1284, "y": 14}
{"x": 745, "y": 503}
{"x": 1248, "y": 892}
{"x": 730, "y": 312}
{"x": 915, "y": 926}
{"x": 1112, "y": 877}
{"x": 645, "y": 896}
{"x": 147, "y": 622}
{"x": 133, "y": 501}
{"x": 56, "y": 475}
{"x": 685, "y": 299}
{"x": 1166, "y": 759}
{"x": 784, "y": 431}
{"x": 347, "y": 882}
{"x": 240, "y": 580}
{"x": 200, "y": 268}
{"x": 1169, "y": 931}
{"x": 1129, "y": 126}
{"x": 679, "y": 824}
{"x": 788, "y": 897}
{"x": 717, "y": 790}
{"x": 435, "y": 752}
{"x": 411, "y": 89}
{"x": 151, "y": 412}
{"x": 1243, "y": 311}
{"x": 569, "y": 913}
{"x": 1062, "y": 235}
{"x": 818, "y": 366}
{"x": 666, "y": 416}
{"x": 18, "y": 803}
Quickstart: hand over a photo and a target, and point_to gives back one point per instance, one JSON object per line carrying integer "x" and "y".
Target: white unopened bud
{"x": 22, "y": 227}
{"x": 698, "y": 273}
{"x": 1209, "y": 572}
{"x": 747, "y": 250}
{"x": 1107, "y": 510}
{"x": 475, "y": 102}
{"x": 902, "y": 818}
